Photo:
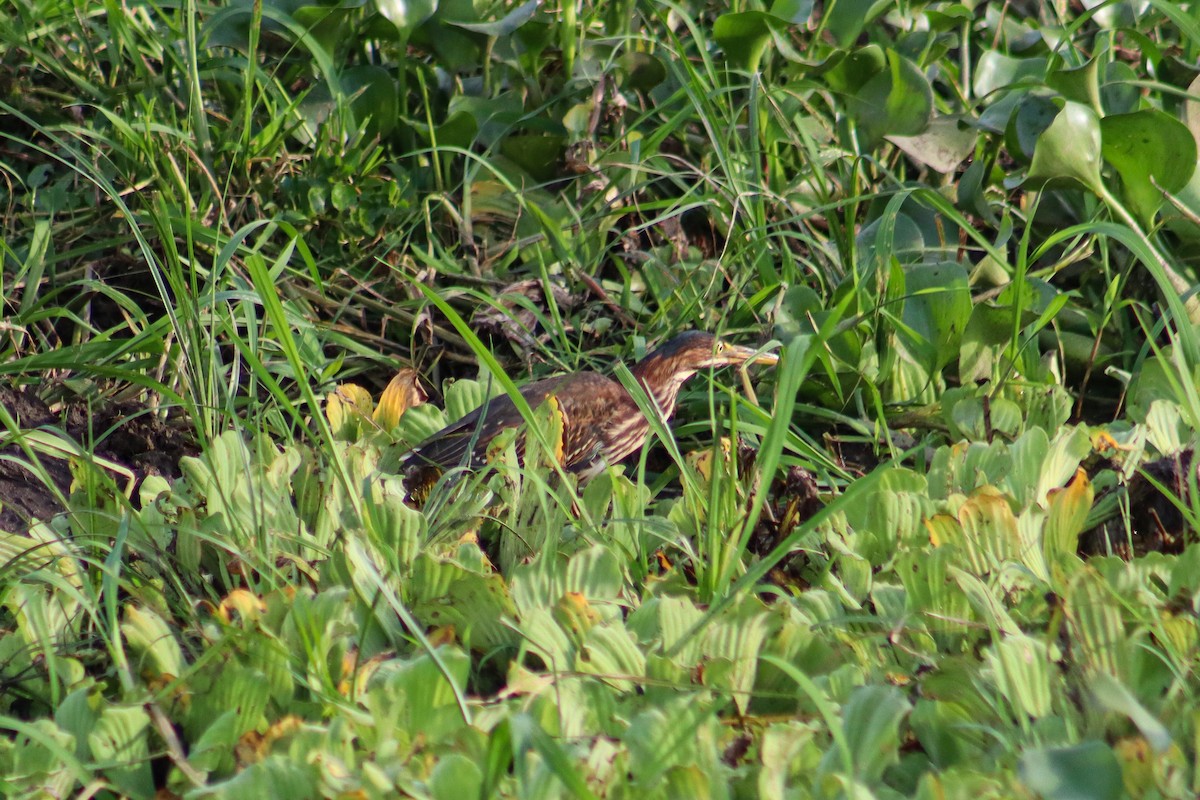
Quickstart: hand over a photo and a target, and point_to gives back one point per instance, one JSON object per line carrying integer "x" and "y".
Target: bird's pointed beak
{"x": 736, "y": 354}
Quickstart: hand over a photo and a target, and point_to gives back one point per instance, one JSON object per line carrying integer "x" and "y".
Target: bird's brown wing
{"x": 591, "y": 405}
{"x": 448, "y": 447}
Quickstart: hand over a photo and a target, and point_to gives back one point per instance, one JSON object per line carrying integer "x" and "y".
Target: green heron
{"x": 601, "y": 423}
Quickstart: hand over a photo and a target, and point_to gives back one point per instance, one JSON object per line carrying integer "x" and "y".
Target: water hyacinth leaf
{"x": 849, "y": 71}
{"x": 372, "y": 95}
{"x": 455, "y": 776}
{"x": 1087, "y": 771}
{"x": 506, "y": 25}
{"x": 537, "y": 154}
{"x": 744, "y": 36}
{"x": 988, "y": 332}
{"x": 937, "y": 308}
{"x": 1070, "y": 148}
{"x": 997, "y": 71}
{"x": 795, "y": 12}
{"x": 1032, "y": 116}
{"x": 1153, "y": 153}
{"x": 640, "y": 72}
{"x": 846, "y": 19}
{"x": 406, "y": 15}
{"x": 942, "y": 146}
{"x": 1077, "y": 83}
{"x": 896, "y": 101}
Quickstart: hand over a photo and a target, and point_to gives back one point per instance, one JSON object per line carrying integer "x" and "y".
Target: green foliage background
{"x": 970, "y": 227}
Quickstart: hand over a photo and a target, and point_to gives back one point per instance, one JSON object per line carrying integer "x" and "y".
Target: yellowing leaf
{"x": 245, "y": 604}
{"x": 403, "y": 392}
{"x": 1069, "y": 508}
{"x": 346, "y": 407}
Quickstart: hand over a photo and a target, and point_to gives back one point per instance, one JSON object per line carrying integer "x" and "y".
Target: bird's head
{"x": 696, "y": 350}
{"x": 687, "y": 353}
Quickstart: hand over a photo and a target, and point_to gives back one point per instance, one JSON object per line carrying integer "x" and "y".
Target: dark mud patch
{"x": 123, "y": 433}
{"x": 1155, "y": 523}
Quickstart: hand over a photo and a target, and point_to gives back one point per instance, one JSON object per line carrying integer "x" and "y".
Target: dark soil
{"x": 1155, "y": 522}
{"x": 123, "y": 433}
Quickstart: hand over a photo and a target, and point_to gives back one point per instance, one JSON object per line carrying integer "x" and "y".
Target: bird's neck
{"x": 661, "y": 386}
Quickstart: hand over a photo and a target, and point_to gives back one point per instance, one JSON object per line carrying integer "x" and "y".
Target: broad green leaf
{"x": 989, "y": 330}
{"x": 1115, "y": 696}
{"x": 641, "y": 72}
{"x": 930, "y": 593}
{"x": 1096, "y": 626}
{"x": 946, "y": 730}
{"x": 149, "y": 637}
{"x": 1165, "y": 428}
{"x": 744, "y": 36}
{"x": 942, "y": 146}
{"x": 997, "y": 71}
{"x": 464, "y": 396}
{"x": 737, "y": 636}
{"x": 277, "y": 777}
{"x": 506, "y": 25}
{"x": 537, "y": 154}
{"x": 871, "y": 723}
{"x": 455, "y": 776}
{"x": 1068, "y": 449}
{"x": 665, "y": 736}
{"x": 610, "y": 652}
{"x": 397, "y": 530}
{"x": 371, "y": 91}
{"x": 853, "y": 69}
{"x": 1087, "y": 771}
{"x": 1069, "y": 148}
{"x": 847, "y": 18}
{"x": 989, "y": 530}
{"x": 406, "y": 15}
{"x": 1153, "y": 152}
{"x": 445, "y": 592}
{"x": 897, "y": 101}
{"x": 795, "y": 12}
{"x": 937, "y": 308}
{"x": 1022, "y": 667}
{"x": 121, "y": 736}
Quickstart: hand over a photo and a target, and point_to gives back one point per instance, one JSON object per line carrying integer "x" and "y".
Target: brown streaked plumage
{"x": 601, "y": 422}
